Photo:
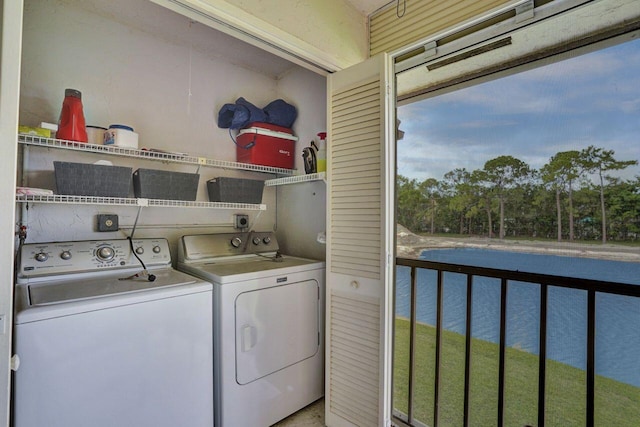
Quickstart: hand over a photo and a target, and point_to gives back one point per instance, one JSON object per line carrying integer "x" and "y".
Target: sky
{"x": 593, "y": 99}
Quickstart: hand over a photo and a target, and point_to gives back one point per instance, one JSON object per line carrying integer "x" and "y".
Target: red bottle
{"x": 71, "y": 125}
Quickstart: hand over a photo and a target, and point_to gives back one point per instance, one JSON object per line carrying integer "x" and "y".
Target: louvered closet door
{"x": 358, "y": 242}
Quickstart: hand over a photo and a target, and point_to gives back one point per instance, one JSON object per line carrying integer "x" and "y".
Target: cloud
{"x": 583, "y": 83}
{"x": 483, "y": 124}
{"x": 593, "y": 99}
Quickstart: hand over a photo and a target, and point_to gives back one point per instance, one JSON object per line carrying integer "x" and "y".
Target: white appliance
{"x": 268, "y": 325}
{"x": 99, "y": 344}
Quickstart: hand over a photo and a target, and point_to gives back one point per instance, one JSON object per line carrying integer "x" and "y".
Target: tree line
{"x": 574, "y": 196}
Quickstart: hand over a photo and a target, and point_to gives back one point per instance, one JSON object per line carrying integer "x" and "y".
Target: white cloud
{"x": 592, "y": 99}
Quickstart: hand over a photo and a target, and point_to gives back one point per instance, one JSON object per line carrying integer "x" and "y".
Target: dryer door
{"x": 275, "y": 328}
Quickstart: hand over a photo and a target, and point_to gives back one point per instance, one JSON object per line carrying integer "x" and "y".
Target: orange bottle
{"x": 71, "y": 125}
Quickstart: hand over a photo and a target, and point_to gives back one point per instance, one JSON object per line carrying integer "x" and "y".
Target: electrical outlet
{"x": 241, "y": 221}
{"x": 107, "y": 222}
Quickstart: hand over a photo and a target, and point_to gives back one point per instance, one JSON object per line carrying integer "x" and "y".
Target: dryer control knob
{"x": 156, "y": 249}
{"x": 236, "y": 242}
{"x": 65, "y": 255}
{"x": 41, "y": 257}
{"x": 267, "y": 240}
{"x": 139, "y": 250}
{"x": 256, "y": 240}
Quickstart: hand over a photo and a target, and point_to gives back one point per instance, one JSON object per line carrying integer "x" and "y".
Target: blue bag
{"x": 242, "y": 113}
{"x": 280, "y": 113}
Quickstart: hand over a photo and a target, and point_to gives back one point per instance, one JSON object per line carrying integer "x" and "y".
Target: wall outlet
{"x": 107, "y": 222}
{"x": 241, "y": 221}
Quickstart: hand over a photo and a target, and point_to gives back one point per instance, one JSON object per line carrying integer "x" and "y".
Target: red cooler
{"x": 267, "y": 145}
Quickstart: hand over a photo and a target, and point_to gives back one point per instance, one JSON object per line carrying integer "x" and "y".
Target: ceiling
{"x": 154, "y": 19}
{"x": 366, "y": 7}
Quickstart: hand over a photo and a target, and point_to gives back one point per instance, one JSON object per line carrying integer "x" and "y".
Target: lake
{"x": 617, "y": 317}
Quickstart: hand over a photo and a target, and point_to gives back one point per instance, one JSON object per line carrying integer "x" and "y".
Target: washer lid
{"x": 72, "y": 290}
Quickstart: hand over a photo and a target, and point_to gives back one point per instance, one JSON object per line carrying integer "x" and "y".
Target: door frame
{"x": 602, "y": 23}
{"x": 10, "y": 51}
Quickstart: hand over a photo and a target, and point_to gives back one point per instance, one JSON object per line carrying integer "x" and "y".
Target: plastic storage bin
{"x": 235, "y": 190}
{"x": 267, "y": 145}
{"x": 120, "y": 136}
{"x": 86, "y": 179}
{"x": 166, "y": 185}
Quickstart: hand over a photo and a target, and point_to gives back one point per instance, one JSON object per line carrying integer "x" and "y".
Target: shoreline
{"x": 411, "y": 245}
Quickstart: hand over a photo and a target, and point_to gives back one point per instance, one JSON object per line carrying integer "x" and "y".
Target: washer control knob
{"x": 105, "y": 253}
{"x": 236, "y": 242}
{"x": 256, "y": 240}
{"x": 65, "y": 255}
{"x": 156, "y": 249}
{"x": 267, "y": 240}
{"x": 41, "y": 257}
{"x": 139, "y": 250}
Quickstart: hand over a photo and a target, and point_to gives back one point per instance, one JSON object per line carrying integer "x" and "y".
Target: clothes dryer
{"x": 268, "y": 325}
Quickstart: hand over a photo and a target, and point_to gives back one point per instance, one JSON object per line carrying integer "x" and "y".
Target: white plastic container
{"x": 121, "y": 136}
{"x": 95, "y": 134}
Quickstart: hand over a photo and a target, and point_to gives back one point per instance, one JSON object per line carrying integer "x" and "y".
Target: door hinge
{"x": 524, "y": 11}
{"x": 430, "y": 49}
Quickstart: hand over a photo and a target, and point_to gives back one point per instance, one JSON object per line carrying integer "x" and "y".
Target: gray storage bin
{"x": 235, "y": 190}
{"x": 86, "y": 179}
{"x": 167, "y": 185}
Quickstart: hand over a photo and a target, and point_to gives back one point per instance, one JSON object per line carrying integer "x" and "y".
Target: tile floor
{"x": 311, "y": 416}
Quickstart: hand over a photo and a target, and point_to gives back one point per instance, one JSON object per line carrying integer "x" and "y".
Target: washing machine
{"x": 108, "y": 334}
{"x": 267, "y": 325}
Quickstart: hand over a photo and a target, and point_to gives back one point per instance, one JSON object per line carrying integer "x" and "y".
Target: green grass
{"x": 617, "y": 404}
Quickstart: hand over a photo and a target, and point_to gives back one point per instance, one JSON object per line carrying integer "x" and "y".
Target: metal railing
{"x": 592, "y": 287}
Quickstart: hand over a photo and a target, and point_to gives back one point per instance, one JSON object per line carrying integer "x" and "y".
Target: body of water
{"x": 617, "y": 317}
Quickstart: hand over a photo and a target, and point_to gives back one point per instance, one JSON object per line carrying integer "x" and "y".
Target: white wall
{"x": 301, "y": 207}
{"x": 161, "y": 79}
{"x": 168, "y": 91}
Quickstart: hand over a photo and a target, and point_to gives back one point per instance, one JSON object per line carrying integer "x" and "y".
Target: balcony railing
{"x": 506, "y": 279}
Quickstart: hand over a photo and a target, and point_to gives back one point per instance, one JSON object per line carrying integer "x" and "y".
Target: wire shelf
{"x": 147, "y": 155}
{"x": 209, "y": 205}
{"x": 295, "y": 179}
{"x": 85, "y": 200}
{"x": 117, "y": 201}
